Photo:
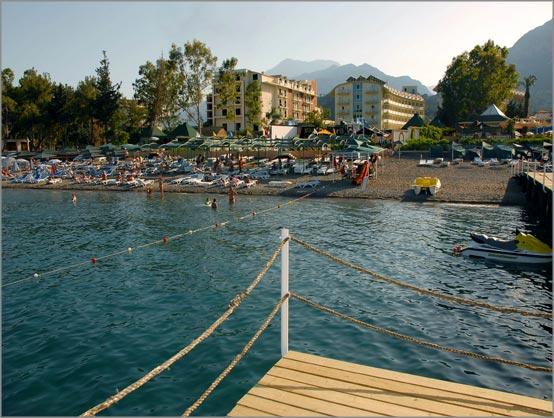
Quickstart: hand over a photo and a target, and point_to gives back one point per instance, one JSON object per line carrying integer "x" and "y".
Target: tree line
{"x": 477, "y": 79}
{"x": 57, "y": 115}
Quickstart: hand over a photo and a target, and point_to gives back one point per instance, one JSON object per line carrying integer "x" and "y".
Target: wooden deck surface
{"x": 542, "y": 178}
{"x": 307, "y": 385}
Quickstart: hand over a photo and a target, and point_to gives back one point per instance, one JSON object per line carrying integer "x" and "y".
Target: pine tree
{"x": 106, "y": 104}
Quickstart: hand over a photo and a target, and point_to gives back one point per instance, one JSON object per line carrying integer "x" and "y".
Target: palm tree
{"x": 528, "y": 82}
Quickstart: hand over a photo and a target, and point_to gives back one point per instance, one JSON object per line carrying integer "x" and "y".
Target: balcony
{"x": 343, "y": 93}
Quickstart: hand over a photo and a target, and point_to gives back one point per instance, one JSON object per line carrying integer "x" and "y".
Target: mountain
{"x": 292, "y": 68}
{"x": 328, "y": 78}
{"x": 532, "y": 54}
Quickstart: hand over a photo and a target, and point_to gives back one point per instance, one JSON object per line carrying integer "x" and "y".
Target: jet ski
{"x": 525, "y": 248}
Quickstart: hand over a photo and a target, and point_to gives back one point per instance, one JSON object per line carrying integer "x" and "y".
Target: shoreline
{"x": 463, "y": 184}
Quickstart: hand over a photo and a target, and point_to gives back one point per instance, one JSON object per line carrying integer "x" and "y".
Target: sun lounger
{"x": 309, "y": 184}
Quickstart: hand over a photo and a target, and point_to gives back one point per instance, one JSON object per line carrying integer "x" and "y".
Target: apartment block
{"x": 377, "y": 103}
{"x": 291, "y": 98}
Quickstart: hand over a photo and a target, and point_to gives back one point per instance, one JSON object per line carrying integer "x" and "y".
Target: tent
{"x": 222, "y": 133}
{"x": 472, "y": 153}
{"x": 493, "y": 114}
{"x": 488, "y": 150}
{"x": 457, "y": 150}
{"x": 415, "y": 121}
{"x": 183, "y": 130}
{"x": 504, "y": 152}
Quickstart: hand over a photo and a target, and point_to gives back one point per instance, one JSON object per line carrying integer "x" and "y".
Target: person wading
{"x": 232, "y": 195}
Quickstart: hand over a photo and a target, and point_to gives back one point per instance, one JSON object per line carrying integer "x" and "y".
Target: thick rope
{"x": 236, "y": 360}
{"x": 418, "y": 341}
{"x": 234, "y": 304}
{"x": 159, "y": 241}
{"x": 450, "y": 298}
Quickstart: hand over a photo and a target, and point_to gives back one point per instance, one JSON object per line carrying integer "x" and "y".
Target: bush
{"x": 431, "y": 132}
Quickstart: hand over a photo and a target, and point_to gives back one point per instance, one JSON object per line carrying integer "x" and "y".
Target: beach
{"x": 462, "y": 183}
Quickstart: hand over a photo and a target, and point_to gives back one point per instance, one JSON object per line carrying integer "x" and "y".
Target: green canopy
{"x": 130, "y": 147}
{"x": 184, "y": 129}
{"x": 415, "y": 121}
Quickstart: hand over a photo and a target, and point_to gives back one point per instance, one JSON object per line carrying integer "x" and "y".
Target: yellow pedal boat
{"x": 429, "y": 184}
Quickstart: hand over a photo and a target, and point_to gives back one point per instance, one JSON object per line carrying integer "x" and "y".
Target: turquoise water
{"x": 72, "y": 339}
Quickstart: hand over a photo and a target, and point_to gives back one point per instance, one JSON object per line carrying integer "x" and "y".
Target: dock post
{"x": 284, "y": 291}
{"x": 543, "y": 176}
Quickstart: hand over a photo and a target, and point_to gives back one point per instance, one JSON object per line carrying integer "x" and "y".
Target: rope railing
{"x": 417, "y": 341}
{"x": 164, "y": 240}
{"x": 429, "y": 292}
{"x": 236, "y": 360}
{"x": 233, "y": 305}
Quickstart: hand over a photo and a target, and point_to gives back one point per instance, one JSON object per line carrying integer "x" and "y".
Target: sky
{"x": 418, "y": 39}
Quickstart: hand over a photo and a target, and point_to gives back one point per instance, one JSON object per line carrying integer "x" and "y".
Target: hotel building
{"x": 377, "y": 103}
{"x": 291, "y": 98}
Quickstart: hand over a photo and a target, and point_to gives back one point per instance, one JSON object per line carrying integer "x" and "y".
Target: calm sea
{"x": 72, "y": 339}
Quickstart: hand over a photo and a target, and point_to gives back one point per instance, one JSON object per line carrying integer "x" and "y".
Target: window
{"x": 225, "y": 126}
{"x": 209, "y": 106}
{"x": 238, "y": 88}
{"x": 237, "y": 111}
{"x": 342, "y": 108}
{"x": 255, "y": 77}
{"x": 238, "y": 127}
{"x": 238, "y": 77}
{"x": 357, "y": 96}
{"x": 224, "y": 112}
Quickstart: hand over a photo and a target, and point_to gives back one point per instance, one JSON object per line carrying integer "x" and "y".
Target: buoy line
{"x": 164, "y": 240}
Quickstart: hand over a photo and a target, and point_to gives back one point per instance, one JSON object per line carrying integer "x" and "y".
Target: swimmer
{"x": 214, "y": 204}
{"x": 208, "y": 202}
{"x": 74, "y": 198}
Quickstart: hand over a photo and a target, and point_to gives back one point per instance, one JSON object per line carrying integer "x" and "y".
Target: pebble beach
{"x": 462, "y": 183}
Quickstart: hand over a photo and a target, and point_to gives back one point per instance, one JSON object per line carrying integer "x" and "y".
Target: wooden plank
{"x": 316, "y": 406}
{"x": 244, "y": 411}
{"x": 421, "y": 383}
{"x": 341, "y": 397}
{"x": 396, "y": 400}
{"x": 271, "y": 407}
{"x": 433, "y": 400}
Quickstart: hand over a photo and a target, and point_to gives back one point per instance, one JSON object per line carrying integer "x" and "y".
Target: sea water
{"x": 72, "y": 339}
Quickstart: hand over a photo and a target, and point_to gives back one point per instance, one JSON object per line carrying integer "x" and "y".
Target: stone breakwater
{"x": 464, "y": 183}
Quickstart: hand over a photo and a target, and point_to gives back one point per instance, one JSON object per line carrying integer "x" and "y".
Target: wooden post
{"x": 284, "y": 291}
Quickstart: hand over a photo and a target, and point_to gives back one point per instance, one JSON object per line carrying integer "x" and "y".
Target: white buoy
{"x": 35, "y": 275}
{"x": 130, "y": 249}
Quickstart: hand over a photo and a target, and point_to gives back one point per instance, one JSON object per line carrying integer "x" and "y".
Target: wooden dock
{"x": 541, "y": 178}
{"x": 307, "y": 385}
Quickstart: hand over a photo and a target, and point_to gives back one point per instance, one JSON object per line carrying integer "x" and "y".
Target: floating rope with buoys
{"x": 165, "y": 240}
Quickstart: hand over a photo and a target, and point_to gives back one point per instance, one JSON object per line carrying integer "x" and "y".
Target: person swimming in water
{"x": 214, "y": 204}
{"x": 208, "y": 202}
{"x": 74, "y": 198}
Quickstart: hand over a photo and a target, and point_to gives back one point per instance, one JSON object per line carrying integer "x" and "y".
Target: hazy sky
{"x": 65, "y": 39}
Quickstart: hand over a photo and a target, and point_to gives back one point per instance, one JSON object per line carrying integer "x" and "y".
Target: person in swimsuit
{"x": 214, "y": 204}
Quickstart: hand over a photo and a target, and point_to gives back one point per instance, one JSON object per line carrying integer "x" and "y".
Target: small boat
{"x": 431, "y": 185}
{"x": 525, "y": 248}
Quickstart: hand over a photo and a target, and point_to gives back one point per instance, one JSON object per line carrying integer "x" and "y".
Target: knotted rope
{"x": 450, "y": 298}
{"x": 234, "y": 304}
{"x": 416, "y": 340}
{"x": 236, "y": 360}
